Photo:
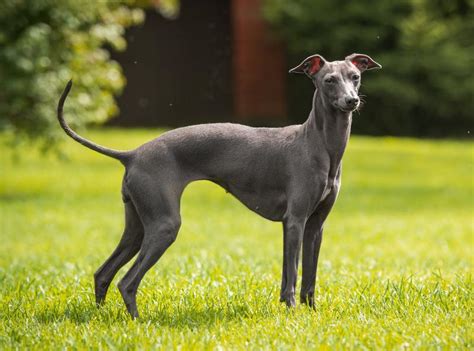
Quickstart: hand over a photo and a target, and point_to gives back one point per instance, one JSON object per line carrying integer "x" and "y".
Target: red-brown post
{"x": 259, "y": 65}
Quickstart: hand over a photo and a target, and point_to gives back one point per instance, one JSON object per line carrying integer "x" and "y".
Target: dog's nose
{"x": 352, "y": 101}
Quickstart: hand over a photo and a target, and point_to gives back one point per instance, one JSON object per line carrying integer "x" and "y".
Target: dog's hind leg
{"x": 159, "y": 236}
{"x": 127, "y": 248}
{"x": 159, "y": 212}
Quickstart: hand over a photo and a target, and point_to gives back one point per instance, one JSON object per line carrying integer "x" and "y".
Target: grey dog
{"x": 290, "y": 174}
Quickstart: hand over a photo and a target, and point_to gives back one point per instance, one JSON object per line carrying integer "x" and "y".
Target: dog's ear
{"x": 363, "y": 62}
{"x": 310, "y": 66}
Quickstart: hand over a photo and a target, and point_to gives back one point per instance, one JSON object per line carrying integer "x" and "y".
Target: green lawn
{"x": 395, "y": 269}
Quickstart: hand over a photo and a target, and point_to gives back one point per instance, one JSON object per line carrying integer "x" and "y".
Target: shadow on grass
{"x": 192, "y": 317}
{"x": 178, "y": 316}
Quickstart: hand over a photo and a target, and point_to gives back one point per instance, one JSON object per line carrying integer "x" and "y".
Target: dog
{"x": 290, "y": 174}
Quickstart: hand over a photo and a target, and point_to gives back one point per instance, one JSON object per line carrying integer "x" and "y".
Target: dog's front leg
{"x": 313, "y": 235}
{"x": 283, "y": 270}
{"x": 293, "y": 236}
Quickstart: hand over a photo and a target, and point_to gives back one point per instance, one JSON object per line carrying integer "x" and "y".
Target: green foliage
{"x": 43, "y": 44}
{"x": 424, "y": 46}
{"x": 395, "y": 267}
{"x": 169, "y": 8}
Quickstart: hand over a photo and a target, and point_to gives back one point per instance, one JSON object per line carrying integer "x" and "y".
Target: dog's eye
{"x": 355, "y": 77}
{"x": 330, "y": 80}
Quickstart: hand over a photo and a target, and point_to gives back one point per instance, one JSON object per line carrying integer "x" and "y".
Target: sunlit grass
{"x": 395, "y": 269}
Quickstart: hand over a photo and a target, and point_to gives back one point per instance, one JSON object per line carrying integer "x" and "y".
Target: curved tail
{"x": 122, "y": 156}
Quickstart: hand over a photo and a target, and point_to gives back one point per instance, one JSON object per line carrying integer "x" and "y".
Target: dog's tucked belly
{"x": 268, "y": 203}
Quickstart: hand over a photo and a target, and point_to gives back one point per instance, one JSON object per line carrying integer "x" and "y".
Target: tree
{"x": 425, "y": 47}
{"x": 43, "y": 44}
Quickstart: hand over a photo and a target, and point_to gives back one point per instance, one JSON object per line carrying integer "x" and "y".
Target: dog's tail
{"x": 122, "y": 156}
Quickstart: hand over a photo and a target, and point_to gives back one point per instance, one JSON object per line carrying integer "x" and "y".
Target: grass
{"x": 395, "y": 269}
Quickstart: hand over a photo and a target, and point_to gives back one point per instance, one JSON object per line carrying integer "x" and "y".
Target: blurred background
{"x": 178, "y": 62}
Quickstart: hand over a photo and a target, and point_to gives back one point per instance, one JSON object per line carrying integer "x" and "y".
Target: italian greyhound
{"x": 290, "y": 174}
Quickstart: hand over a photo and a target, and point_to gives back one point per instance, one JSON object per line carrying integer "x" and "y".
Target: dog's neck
{"x": 328, "y": 129}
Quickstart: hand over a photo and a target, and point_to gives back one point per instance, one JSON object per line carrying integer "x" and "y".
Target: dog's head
{"x": 338, "y": 81}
